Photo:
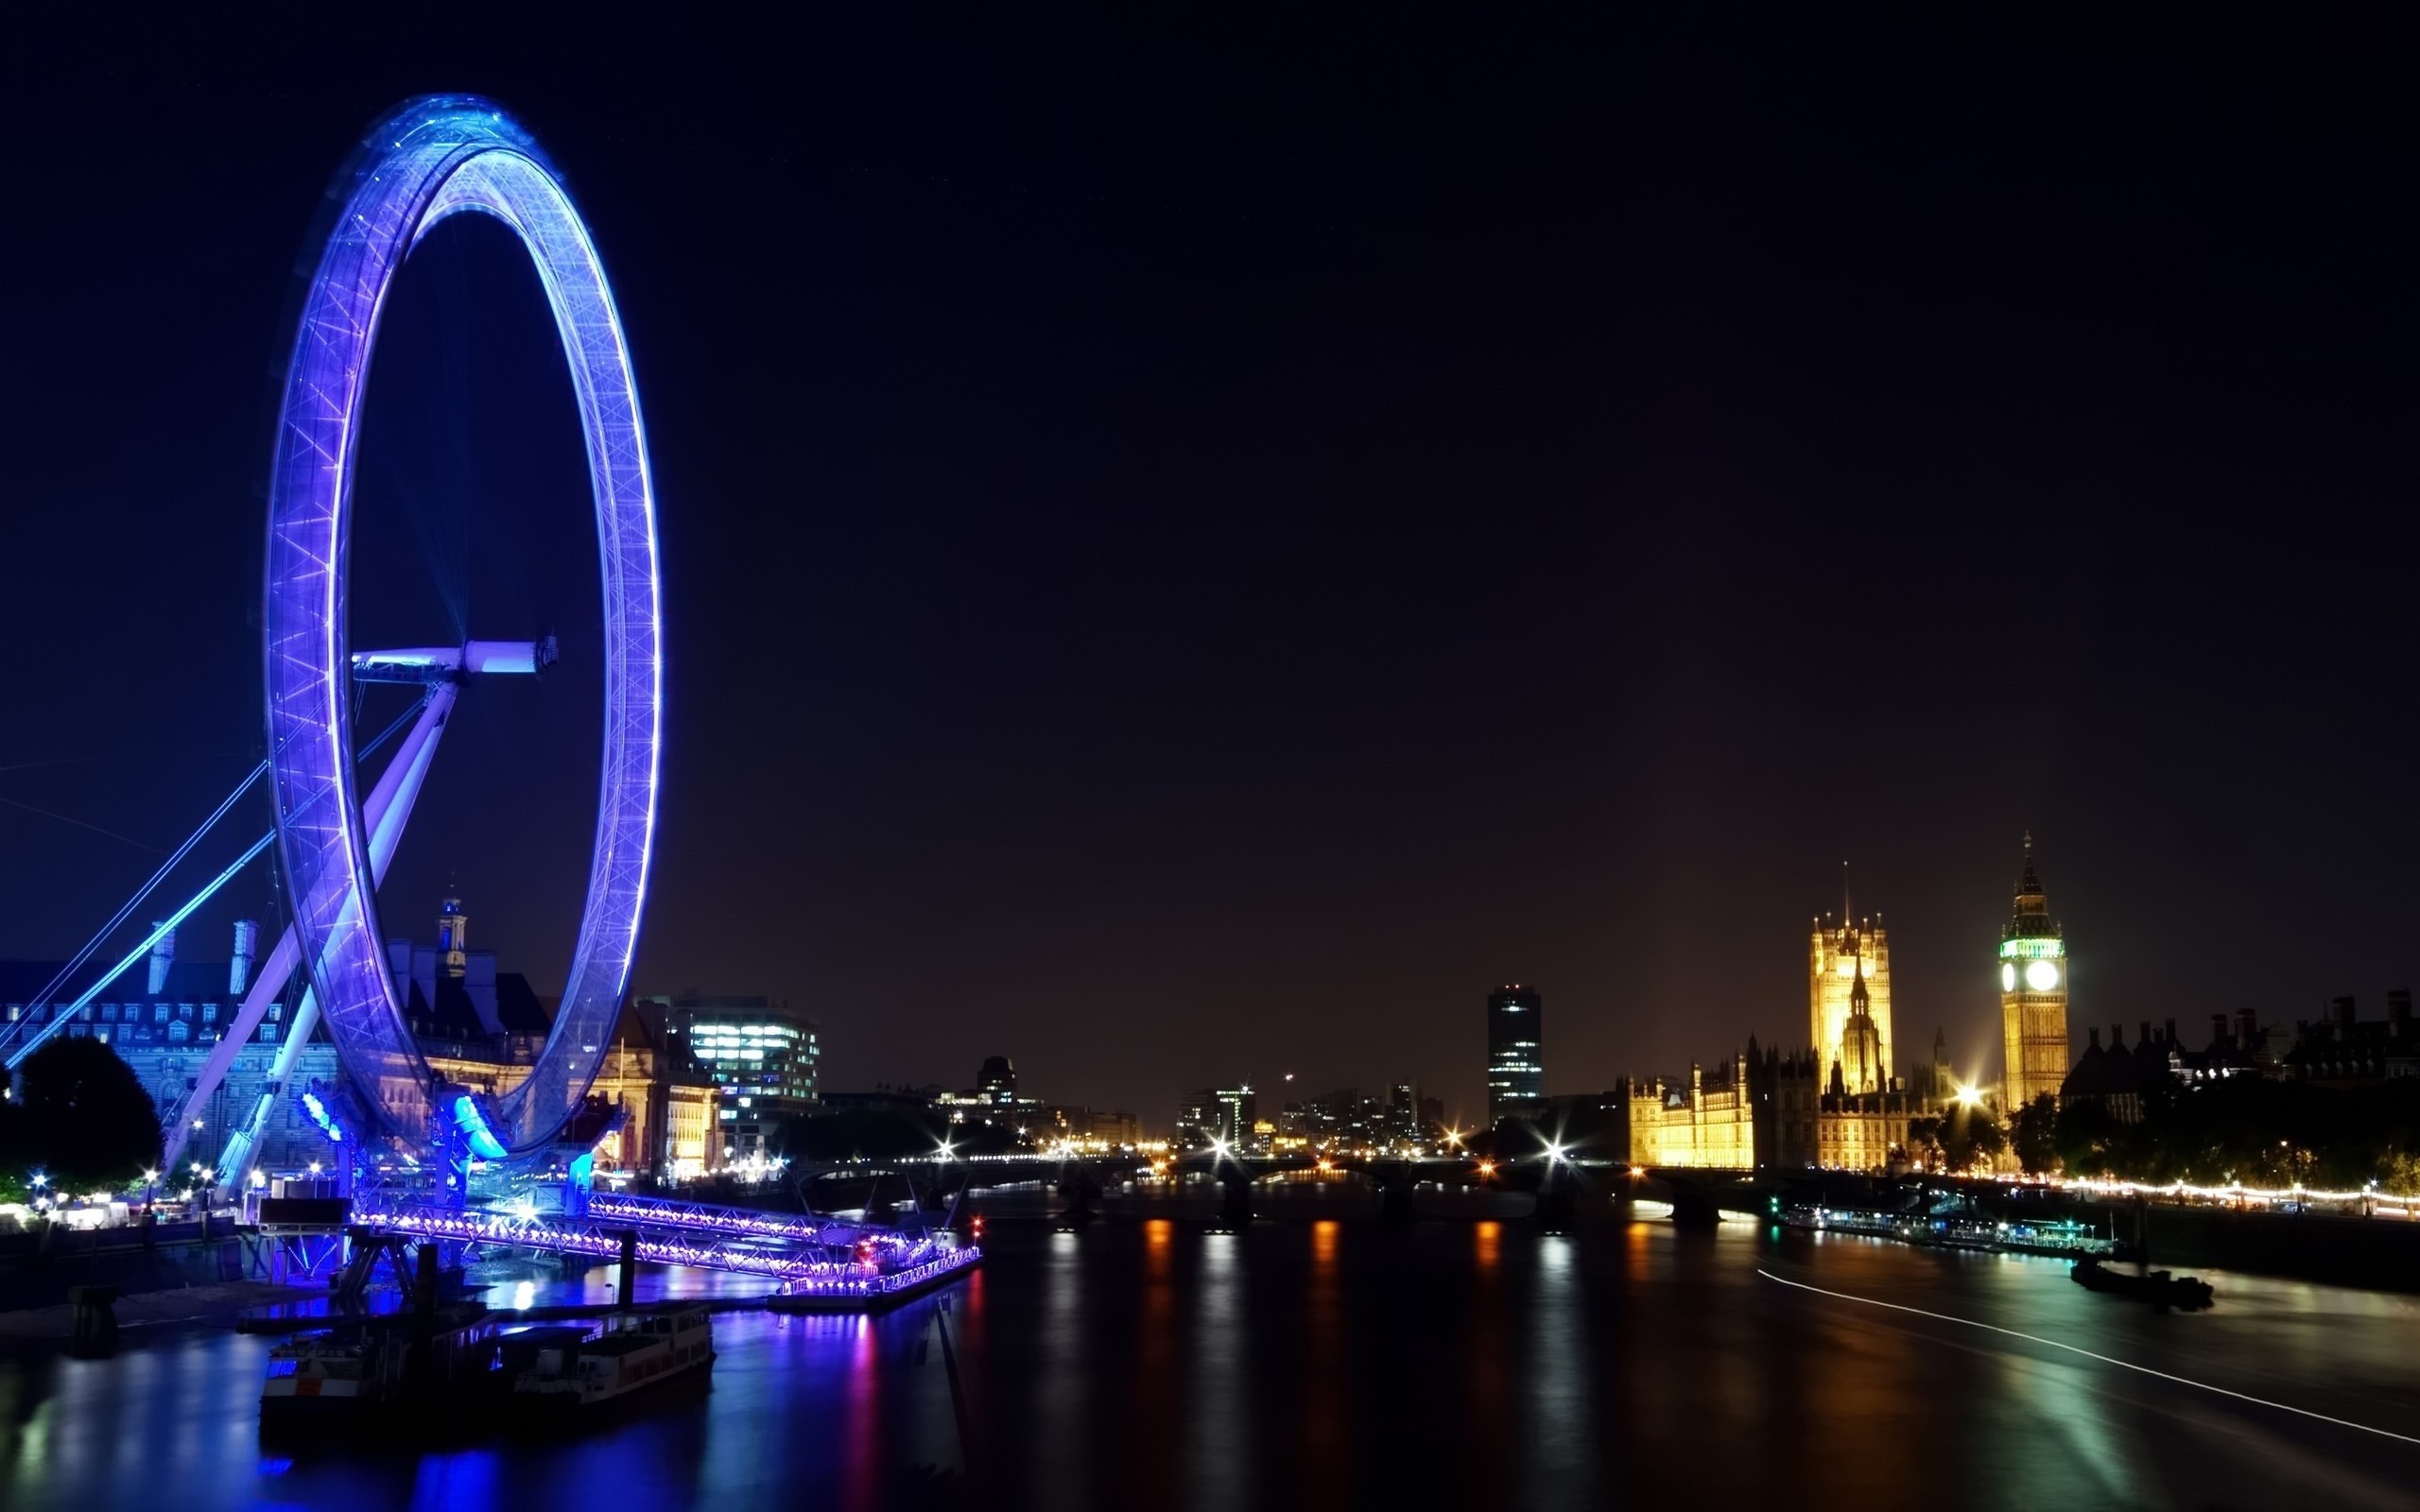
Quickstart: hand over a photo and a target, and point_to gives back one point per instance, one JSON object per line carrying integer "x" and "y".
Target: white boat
{"x": 634, "y": 1353}
{"x": 367, "y": 1366}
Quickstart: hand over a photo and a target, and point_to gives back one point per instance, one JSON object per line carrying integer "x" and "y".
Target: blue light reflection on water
{"x": 1163, "y": 1363}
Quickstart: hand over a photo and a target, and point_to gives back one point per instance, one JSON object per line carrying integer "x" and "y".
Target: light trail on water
{"x": 2123, "y": 1365}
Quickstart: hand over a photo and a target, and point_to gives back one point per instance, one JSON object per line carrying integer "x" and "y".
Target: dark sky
{"x": 1196, "y": 552}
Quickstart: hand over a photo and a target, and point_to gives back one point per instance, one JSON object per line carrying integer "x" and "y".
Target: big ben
{"x": 2033, "y": 995}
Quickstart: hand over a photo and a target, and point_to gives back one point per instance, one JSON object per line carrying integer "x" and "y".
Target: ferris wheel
{"x": 433, "y": 159}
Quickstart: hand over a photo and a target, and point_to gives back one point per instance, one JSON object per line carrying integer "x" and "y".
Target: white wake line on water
{"x": 2127, "y": 1365}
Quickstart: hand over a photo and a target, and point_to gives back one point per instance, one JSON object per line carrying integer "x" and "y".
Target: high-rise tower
{"x": 1515, "y": 1050}
{"x": 2033, "y": 995}
{"x": 1839, "y": 961}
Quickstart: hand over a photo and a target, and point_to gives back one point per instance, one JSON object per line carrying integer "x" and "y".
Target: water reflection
{"x": 1559, "y": 1462}
{"x": 1323, "y": 1440}
{"x": 1217, "y": 1418}
{"x": 1348, "y": 1363}
{"x": 1060, "y": 1443}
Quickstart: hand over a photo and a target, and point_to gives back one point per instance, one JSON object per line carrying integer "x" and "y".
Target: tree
{"x": 2400, "y": 1172}
{"x": 2035, "y": 1135}
{"x": 1924, "y": 1142}
{"x": 83, "y": 1119}
{"x": 1971, "y": 1139}
{"x": 2086, "y": 1139}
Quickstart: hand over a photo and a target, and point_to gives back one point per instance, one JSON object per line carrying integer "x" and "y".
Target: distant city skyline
{"x": 1230, "y": 557}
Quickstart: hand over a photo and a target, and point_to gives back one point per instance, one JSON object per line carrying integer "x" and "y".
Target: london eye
{"x": 431, "y": 160}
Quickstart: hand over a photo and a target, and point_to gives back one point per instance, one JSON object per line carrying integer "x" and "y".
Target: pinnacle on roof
{"x": 2032, "y": 915}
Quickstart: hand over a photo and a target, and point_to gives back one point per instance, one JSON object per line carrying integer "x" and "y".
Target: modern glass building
{"x": 759, "y": 1056}
{"x": 1516, "y": 1052}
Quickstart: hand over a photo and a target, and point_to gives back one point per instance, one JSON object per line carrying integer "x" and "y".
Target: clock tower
{"x": 2034, "y": 996}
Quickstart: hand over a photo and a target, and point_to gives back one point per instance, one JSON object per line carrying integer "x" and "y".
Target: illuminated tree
{"x": 2034, "y": 1132}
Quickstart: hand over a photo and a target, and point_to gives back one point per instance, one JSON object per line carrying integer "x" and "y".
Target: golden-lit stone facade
{"x": 2034, "y": 996}
{"x": 1710, "y": 1123}
{"x": 693, "y": 1138}
{"x": 1865, "y": 1131}
{"x": 632, "y": 1076}
{"x": 1837, "y": 959}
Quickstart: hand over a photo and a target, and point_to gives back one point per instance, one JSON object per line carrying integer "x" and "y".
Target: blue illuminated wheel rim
{"x": 431, "y": 159}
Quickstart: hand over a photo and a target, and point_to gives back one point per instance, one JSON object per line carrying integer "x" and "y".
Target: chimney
{"x": 2116, "y": 1037}
{"x": 2399, "y": 1013}
{"x": 2092, "y": 1037}
{"x": 2340, "y": 1013}
{"x": 2170, "y": 1037}
{"x": 239, "y": 966}
{"x": 163, "y": 955}
{"x": 2247, "y": 1027}
{"x": 2145, "y": 1037}
{"x": 2218, "y": 1030}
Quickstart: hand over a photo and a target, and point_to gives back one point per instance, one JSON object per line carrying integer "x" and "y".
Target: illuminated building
{"x": 1197, "y": 1120}
{"x": 473, "y": 1024}
{"x": 998, "y": 1081}
{"x": 452, "y": 938}
{"x": 759, "y": 1057}
{"x": 163, "y": 1017}
{"x": 2034, "y": 996}
{"x": 1516, "y": 1052}
{"x": 1710, "y": 1123}
{"x": 1841, "y": 962}
{"x": 1238, "y": 1115}
{"x": 1786, "y": 1091}
{"x": 2241, "y": 1047}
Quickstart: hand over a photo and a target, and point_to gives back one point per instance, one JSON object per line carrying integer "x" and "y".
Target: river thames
{"x": 1317, "y": 1362}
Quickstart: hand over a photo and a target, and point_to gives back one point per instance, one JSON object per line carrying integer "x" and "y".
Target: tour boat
{"x": 635, "y": 1353}
{"x": 349, "y": 1373}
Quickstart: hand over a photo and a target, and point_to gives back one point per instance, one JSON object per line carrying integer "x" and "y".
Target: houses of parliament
{"x": 1836, "y": 1103}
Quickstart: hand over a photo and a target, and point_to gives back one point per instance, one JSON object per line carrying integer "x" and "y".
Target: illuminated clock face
{"x": 2040, "y": 975}
{"x": 2008, "y": 978}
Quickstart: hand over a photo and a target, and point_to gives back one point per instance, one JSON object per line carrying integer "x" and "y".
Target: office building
{"x": 759, "y": 1057}
{"x": 1516, "y": 1052}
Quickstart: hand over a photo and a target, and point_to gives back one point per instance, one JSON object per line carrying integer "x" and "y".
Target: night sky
{"x": 1196, "y": 553}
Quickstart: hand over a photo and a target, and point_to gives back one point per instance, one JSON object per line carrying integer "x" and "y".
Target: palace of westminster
{"x": 1836, "y": 1103}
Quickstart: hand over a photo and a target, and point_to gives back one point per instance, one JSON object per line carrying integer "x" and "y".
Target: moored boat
{"x": 635, "y": 1354}
{"x": 356, "y": 1371}
{"x": 2189, "y": 1293}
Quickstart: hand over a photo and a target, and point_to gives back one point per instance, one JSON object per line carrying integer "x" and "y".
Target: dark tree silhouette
{"x": 83, "y": 1119}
